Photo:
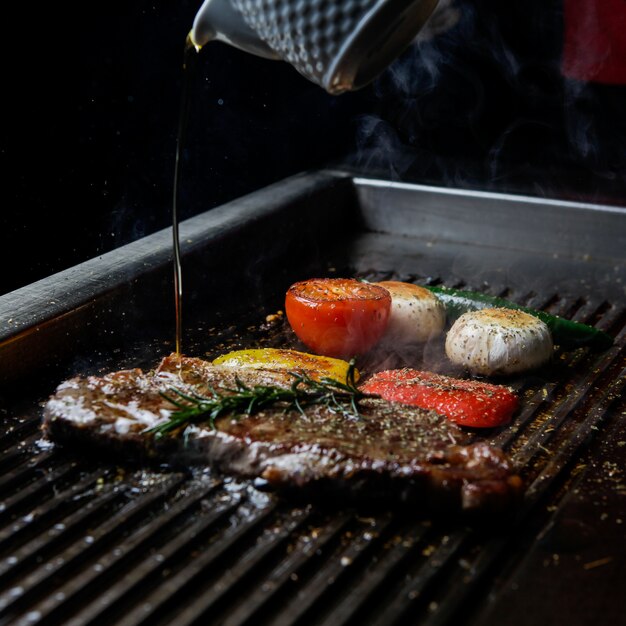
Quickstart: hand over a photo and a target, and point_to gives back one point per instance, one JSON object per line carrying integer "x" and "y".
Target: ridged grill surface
{"x": 85, "y": 541}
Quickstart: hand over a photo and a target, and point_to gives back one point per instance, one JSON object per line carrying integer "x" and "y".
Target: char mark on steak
{"x": 390, "y": 452}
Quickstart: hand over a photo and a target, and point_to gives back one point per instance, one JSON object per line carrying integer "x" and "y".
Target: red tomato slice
{"x": 337, "y": 317}
{"x": 467, "y": 402}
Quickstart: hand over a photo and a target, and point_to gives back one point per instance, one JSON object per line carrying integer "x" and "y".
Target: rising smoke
{"x": 479, "y": 99}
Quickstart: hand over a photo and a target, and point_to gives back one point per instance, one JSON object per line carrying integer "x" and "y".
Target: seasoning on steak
{"x": 390, "y": 452}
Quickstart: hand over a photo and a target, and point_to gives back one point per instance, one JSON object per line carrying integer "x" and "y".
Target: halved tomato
{"x": 470, "y": 403}
{"x": 338, "y": 317}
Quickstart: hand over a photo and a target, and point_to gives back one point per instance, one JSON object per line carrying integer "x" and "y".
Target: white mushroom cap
{"x": 499, "y": 341}
{"x": 416, "y": 316}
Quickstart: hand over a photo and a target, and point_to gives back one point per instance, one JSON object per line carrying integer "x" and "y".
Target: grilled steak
{"x": 390, "y": 451}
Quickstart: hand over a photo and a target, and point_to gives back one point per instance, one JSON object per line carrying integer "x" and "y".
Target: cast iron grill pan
{"x": 90, "y": 541}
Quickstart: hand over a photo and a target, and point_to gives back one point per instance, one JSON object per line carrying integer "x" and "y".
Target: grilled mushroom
{"x": 499, "y": 341}
{"x": 416, "y": 314}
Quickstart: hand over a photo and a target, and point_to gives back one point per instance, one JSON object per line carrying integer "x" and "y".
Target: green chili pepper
{"x": 565, "y": 333}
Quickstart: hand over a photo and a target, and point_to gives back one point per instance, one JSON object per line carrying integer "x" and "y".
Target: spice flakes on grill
{"x": 382, "y": 452}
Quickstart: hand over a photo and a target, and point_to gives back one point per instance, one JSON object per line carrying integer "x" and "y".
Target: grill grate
{"x": 84, "y": 543}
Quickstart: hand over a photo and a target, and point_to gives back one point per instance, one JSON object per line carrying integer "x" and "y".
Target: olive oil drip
{"x": 188, "y": 73}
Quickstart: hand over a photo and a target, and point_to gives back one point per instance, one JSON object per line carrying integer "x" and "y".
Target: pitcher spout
{"x": 217, "y": 20}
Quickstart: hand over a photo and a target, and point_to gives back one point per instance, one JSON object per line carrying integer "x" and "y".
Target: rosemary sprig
{"x": 192, "y": 407}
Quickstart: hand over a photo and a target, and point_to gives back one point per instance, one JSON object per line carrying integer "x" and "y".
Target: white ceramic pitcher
{"x": 340, "y": 45}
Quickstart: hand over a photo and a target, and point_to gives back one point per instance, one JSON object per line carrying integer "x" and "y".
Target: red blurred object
{"x": 594, "y": 48}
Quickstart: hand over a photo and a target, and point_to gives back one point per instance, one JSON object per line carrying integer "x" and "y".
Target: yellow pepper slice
{"x": 316, "y": 367}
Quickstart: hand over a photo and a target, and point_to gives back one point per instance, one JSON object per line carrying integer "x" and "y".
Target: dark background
{"x": 91, "y": 97}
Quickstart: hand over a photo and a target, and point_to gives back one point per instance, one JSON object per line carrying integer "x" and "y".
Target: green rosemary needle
{"x": 192, "y": 407}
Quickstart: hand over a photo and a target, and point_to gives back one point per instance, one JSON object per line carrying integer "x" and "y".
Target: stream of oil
{"x": 189, "y": 62}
